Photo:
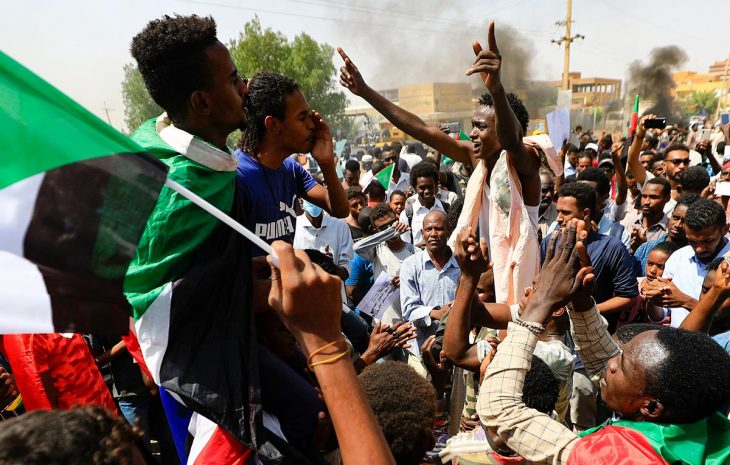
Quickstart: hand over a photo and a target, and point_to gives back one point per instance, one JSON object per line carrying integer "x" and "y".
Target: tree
{"x": 699, "y": 101}
{"x": 303, "y": 59}
{"x": 138, "y": 105}
{"x": 257, "y": 49}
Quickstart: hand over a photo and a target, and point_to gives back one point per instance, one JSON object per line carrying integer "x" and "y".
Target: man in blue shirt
{"x": 615, "y": 286}
{"x": 428, "y": 279}
{"x": 270, "y": 183}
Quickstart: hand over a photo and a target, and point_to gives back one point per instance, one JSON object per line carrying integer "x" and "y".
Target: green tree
{"x": 303, "y": 58}
{"x": 257, "y": 49}
{"x": 698, "y": 101}
{"x": 138, "y": 105}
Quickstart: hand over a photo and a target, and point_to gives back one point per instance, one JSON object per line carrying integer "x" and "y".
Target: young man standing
{"x": 502, "y": 163}
{"x": 424, "y": 180}
{"x": 269, "y": 181}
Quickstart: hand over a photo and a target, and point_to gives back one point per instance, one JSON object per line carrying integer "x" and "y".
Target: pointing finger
{"x": 342, "y": 54}
{"x": 492, "y": 41}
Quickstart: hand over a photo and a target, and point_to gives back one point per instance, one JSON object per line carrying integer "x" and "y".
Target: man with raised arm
{"x": 503, "y": 194}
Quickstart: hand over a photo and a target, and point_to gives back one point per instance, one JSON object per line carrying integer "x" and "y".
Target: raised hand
{"x": 350, "y": 76}
{"x": 566, "y": 275}
{"x": 488, "y": 62}
{"x": 722, "y": 279}
{"x": 322, "y": 150}
{"x": 472, "y": 256}
{"x": 385, "y": 339}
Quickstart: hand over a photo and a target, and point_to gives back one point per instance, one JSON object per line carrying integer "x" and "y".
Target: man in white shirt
{"x": 331, "y": 236}
{"x": 680, "y": 286}
{"x": 424, "y": 180}
{"x": 408, "y": 153}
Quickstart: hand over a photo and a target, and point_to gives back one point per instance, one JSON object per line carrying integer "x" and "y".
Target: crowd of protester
{"x": 544, "y": 295}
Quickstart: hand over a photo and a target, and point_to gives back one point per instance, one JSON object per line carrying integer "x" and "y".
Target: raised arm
{"x": 406, "y": 121}
{"x": 632, "y": 162}
{"x": 509, "y": 130}
{"x": 473, "y": 261}
{"x": 333, "y": 198}
{"x": 622, "y": 185}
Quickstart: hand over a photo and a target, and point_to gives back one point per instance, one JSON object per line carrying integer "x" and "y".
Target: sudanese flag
{"x": 75, "y": 196}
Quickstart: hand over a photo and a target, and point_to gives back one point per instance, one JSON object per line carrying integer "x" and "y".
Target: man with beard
{"x": 269, "y": 182}
{"x": 503, "y": 194}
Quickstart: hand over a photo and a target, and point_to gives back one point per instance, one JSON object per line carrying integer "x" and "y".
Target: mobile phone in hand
{"x": 659, "y": 122}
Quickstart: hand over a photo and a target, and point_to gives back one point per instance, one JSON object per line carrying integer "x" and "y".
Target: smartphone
{"x": 724, "y": 118}
{"x": 722, "y": 188}
{"x": 705, "y": 134}
{"x": 656, "y": 123}
{"x": 453, "y": 128}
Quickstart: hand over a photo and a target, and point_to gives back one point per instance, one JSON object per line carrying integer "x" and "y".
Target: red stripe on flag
{"x": 614, "y": 445}
{"x": 223, "y": 449}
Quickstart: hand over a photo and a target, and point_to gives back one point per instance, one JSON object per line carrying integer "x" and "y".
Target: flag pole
{"x": 236, "y": 226}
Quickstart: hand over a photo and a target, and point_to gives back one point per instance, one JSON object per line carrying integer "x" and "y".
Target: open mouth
{"x": 477, "y": 146}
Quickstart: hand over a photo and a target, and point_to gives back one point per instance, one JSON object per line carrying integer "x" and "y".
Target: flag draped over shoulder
{"x": 189, "y": 285}
{"x": 75, "y": 195}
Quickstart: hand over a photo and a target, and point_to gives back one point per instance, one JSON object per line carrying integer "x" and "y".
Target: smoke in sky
{"x": 652, "y": 79}
{"x": 431, "y": 44}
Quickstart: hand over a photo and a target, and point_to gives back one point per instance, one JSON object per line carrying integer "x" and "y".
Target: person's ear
{"x": 271, "y": 124}
{"x": 199, "y": 103}
{"x": 559, "y": 312}
{"x": 587, "y": 215}
{"x": 652, "y": 409}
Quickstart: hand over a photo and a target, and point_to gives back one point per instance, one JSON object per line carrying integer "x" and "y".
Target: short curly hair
{"x": 267, "y": 93}
{"x": 88, "y": 434}
{"x": 692, "y": 380}
{"x": 703, "y": 214}
{"x": 380, "y": 210}
{"x": 518, "y": 108}
{"x": 603, "y": 184}
{"x": 171, "y": 56}
{"x": 541, "y": 387}
{"x": 424, "y": 169}
{"x": 584, "y": 195}
{"x": 694, "y": 180}
{"x": 404, "y": 404}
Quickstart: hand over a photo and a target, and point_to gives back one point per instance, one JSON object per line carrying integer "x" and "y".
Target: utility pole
{"x": 567, "y": 39}
{"x": 721, "y": 102}
{"x": 106, "y": 110}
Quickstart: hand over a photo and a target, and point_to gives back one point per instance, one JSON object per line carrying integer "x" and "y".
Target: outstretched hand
{"x": 350, "y": 76}
{"x": 488, "y": 62}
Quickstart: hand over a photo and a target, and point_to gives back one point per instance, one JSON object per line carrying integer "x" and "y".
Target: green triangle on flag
{"x": 385, "y": 175}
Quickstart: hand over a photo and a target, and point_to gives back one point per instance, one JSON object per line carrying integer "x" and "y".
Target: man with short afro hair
{"x": 404, "y": 404}
{"x": 424, "y": 179}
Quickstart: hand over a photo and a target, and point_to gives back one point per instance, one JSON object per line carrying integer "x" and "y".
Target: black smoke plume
{"x": 652, "y": 79}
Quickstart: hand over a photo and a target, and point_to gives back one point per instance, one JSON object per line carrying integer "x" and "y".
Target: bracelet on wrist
{"x": 533, "y": 326}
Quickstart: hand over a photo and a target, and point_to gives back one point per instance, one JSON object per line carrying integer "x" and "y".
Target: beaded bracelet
{"x": 534, "y": 327}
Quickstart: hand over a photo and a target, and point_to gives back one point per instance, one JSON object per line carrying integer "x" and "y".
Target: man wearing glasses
{"x": 676, "y": 162}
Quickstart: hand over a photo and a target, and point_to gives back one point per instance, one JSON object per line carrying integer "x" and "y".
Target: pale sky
{"x": 80, "y": 46}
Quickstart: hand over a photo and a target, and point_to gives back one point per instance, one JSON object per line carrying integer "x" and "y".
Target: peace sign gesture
{"x": 488, "y": 62}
